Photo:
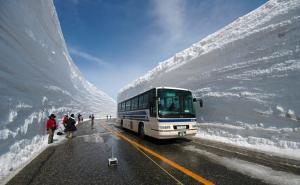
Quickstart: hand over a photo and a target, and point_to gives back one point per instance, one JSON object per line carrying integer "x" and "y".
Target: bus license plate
{"x": 180, "y": 127}
{"x": 181, "y": 134}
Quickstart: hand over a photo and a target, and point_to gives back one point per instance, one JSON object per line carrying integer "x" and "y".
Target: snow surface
{"x": 248, "y": 74}
{"x": 38, "y": 77}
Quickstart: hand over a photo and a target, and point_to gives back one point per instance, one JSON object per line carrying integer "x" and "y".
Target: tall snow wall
{"x": 247, "y": 73}
{"x": 38, "y": 77}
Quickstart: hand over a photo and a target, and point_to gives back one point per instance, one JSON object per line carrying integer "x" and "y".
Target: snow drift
{"x": 38, "y": 77}
{"x": 247, "y": 73}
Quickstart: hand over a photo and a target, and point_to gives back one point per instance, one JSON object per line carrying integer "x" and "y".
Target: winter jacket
{"x": 51, "y": 123}
{"x": 71, "y": 125}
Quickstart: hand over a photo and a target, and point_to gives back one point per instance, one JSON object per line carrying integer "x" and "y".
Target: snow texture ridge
{"x": 247, "y": 74}
{"x": 38, "y": 77}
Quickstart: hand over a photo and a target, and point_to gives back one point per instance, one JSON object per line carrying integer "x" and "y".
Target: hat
{"x": 72, "y": 115}
{"x": 52, "y": 116}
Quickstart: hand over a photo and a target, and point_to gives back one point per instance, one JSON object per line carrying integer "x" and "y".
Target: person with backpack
{"x": 71, "y": 126}
{"x": 51, "y": 126}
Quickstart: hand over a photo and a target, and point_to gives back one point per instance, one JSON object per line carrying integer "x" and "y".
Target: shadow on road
{"x": 154, "y": 140}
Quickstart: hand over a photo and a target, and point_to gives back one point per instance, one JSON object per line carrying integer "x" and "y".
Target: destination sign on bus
{"x": 171, "y": 94}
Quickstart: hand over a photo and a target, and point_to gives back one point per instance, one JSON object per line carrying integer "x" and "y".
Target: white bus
{"x": 161, "y": 112}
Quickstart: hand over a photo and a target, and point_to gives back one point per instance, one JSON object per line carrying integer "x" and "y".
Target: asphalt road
{"x": 84, "y": 160}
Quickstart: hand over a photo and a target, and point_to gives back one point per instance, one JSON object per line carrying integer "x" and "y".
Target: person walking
{"x": 51, "y": 126}
{"x": 71, "y": 126}
{"x": 79, "y": 117}
{"x": 92, "y": 121}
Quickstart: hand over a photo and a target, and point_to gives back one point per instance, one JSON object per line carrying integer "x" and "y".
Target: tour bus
{"x": 161, "y": 112}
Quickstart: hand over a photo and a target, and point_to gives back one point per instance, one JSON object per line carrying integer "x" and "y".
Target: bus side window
{"x": 127, "y": 105}
{"x": 130, "y": 104}
{"x": 123, "y": 106}
{"x": 141, "y": 101}
{"x": 152, "y": 103}
{"x": 145, "y": 104}
{"x": 134, "y": 103}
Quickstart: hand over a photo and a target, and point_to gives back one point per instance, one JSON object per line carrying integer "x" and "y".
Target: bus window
{"x": 123, "y": 106}
{"x": 134, "y": 103}
{"x": 145, "y": 103}
{"x": 175, "y": 103}
{"x": 141, "y": 101}
{"x": 188, "y": 104}
{"x": 128, "y": 105}
{"x": 152, "y": 102}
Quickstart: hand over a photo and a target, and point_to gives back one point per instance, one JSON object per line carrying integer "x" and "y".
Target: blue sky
{"x": 113, "y": 42}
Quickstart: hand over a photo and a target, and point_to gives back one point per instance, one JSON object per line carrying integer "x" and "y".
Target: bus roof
{"x": 172, "y": 88}
{"x": 175, "y": 88}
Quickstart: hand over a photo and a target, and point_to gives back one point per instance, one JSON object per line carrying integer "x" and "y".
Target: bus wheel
{"x": 141, "y": 131}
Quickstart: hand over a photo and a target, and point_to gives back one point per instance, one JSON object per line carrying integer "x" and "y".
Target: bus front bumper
{"x": 168, "y": 134}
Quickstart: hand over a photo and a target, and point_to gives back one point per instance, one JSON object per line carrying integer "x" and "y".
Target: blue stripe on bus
{"x": 176, "y": 120}
{"x": 135, "y": 115}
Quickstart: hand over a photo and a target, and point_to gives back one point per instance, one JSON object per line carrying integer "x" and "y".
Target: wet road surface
{"x": 84, "y": 160}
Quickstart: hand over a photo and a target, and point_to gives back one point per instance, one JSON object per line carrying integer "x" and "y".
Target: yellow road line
{"x": 166, "y": 160}
{"x": 172, "y": 176}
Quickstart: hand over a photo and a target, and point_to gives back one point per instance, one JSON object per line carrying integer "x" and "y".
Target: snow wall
{"x": 38, "y": 77}
{"x": 247, "y": 73}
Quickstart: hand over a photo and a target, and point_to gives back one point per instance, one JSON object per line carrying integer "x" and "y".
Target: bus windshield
{"x": 175, "y": 104}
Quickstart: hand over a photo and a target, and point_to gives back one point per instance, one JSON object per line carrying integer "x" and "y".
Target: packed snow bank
{"x": 38, "y": 77}
{"x": 247, "y": 74}
{"x": 273, "y": 141}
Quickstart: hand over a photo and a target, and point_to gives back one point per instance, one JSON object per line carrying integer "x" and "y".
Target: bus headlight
{"x": 162, "y": 127}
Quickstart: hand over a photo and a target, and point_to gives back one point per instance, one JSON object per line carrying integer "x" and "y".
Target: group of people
{"x": 107, "y": 117}
{"x": 68, "y": 122}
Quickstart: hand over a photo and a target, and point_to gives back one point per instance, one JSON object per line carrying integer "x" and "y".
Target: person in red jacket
{"x": 51, "y": 126}
{"x": 65, "y": 120}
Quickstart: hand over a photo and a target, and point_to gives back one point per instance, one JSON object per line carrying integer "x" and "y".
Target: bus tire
{"x": 141, "y": 130}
